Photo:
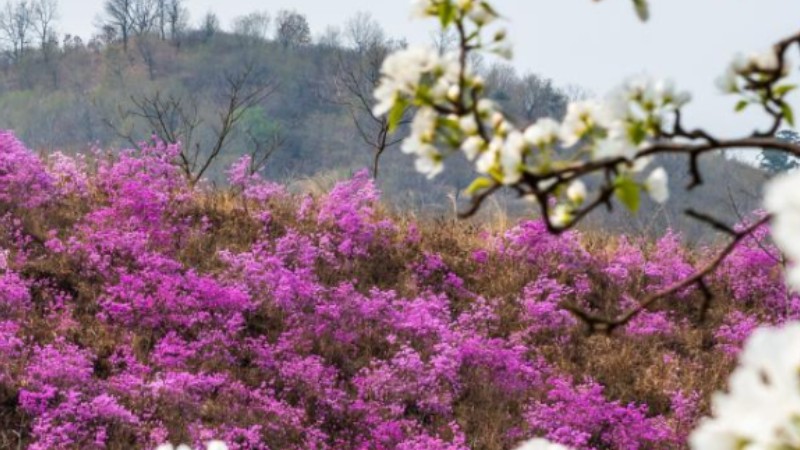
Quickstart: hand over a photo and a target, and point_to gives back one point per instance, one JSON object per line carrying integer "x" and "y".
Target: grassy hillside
{"x": 136, "y": 309}
{"x": 87, "y": 94}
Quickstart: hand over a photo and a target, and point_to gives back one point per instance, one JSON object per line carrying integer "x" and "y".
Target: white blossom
{"x": 429, "y": 161}
{"x": 453, "y": 93}
{"x": 783, "y": 201}
{"x": 581, "y": 118}
{"x": 511, "y": 157}
{"x": 468, "y": 125}
{"x": 641, "y": 163}
{"x": 216, "y": 445}
{"x": 477, "y": 82}
{"x": 486, "y": 107}
{"x": 4, "y": 260}
{"x": 402, "y": 71}
{"x": 543, "y": 133}
{"x": 169, "y": 446}
{"x": 765, "y": 61}
{"x": 473, "y": 146}
{"x": 423, "y": 126}
{"x": 482, "y": 14}
{"x": 541, "y": 444}
{"x": 657, "y": 185}
{"x": 421, "y": 9}
{"x": 561, "y": 216}
{"x": 576, "y": 192}
{"x": 210, "y": 445}
{"x": 762, "y": 406}
{"x": 466, "y": 5}
{"x": 664, "y": 93}
{"x": 728, "y": 82}
{"x": 505, "y": 51}
{"x": 488, "y": 158}
{"x": 643, "y": 97}
{"x": 421, "y": 143}
{"x": 616, "y": 145}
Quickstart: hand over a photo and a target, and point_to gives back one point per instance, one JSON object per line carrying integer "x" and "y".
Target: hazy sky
{"x": 594, "y": 45}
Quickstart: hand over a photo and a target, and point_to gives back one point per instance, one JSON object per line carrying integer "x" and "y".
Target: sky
{"x": 594, "y": 45}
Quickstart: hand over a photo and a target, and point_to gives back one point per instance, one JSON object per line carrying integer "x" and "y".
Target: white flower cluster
{"x": 478, "y": 11}
{"x": 210, "y": 445}
{"x": 402, "y": 77}
{"x": 761, "y": 409}
{"x": 452, "y": 113}
{"x": 419, "y": 76}
{"x": 541, "y": 444}
{"x": 636, "y": 112}
{"x": 783, "y": 201}
{"x": 743, "y": 66}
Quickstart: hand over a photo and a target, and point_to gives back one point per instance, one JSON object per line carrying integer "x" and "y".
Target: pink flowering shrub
{"x": 24, "y": 181}
{"x": 136, "y": 309}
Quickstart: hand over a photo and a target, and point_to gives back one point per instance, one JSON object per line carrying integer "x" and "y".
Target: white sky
{"x": 594, "y": 45}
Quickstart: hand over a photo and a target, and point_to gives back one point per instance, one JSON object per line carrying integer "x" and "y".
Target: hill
{"x": 137, "y": 309}
{"x": 301, "y": 111}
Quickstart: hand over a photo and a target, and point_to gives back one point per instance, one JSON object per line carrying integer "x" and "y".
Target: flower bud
{"x": 576, "y": 192}
{"x": 454, "y": 93}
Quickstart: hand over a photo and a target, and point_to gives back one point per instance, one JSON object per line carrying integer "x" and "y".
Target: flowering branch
{"x": 600, "y": 324}
{"x": 609, "y": 141}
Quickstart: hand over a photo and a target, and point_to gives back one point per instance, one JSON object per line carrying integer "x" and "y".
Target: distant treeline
{"x": 297, "y": 100}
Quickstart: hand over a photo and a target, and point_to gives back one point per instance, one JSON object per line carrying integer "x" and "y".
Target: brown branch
{"x": 600, "y": 324}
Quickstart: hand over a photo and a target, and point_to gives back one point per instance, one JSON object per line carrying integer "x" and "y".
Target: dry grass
{"x": 631, "y": 368}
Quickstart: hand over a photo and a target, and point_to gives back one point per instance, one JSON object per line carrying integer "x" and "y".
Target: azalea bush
{"x": 138, "y": 310}
{"x": 607, "y": 144}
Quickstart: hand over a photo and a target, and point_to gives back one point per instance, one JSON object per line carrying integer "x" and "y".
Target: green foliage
{"x": 629, "y": 192}
{"x": 396, "y": 114}
{"x": 642, "y": 9}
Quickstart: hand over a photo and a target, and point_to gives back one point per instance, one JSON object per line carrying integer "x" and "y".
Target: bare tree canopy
{"x": 144, "y": 16}
{"x": 254, "y": 25}
{"x": 292, "y": 29}
{"x": 177, "y": 17}
{"x": 357, "y": 75}
{"x": 119, "y": 16}
{"x": 17, "y": 26}
{"x": 176, "y": 119}
{"x": 363, "y": 32}
{"x": 45, "y": 13}
{"x": 210, "y": 25}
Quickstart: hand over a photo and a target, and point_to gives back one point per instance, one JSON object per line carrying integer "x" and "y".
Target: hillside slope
{"x": 136, "y": 309}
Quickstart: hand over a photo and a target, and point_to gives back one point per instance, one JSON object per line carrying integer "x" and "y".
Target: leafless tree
{"x": 252, "y": 27}
{"x": 161, "y": 19}
{"x": 331, "y": 38}
{"x": 144, "y": 16}
{"x": 120, "y": 16}
{"x": 363, "y": 32}
{"x": 356, "y": 78}
{"x": 292, "y": 29}
{"x": 444, "y": 40}
{"x": 209, "y": 25}
{"x": 16, "y": 26}
{"x": 175, "y": 119}
{"x": 177, "y": 17}
{"x": 45, "y": 13}
{"x": 540, "y": 98}
{"x": 262, "y": 147}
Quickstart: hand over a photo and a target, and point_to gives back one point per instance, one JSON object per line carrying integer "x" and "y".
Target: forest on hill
{"x": 245, "y": 238}
{"x": 297, "y": 100}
